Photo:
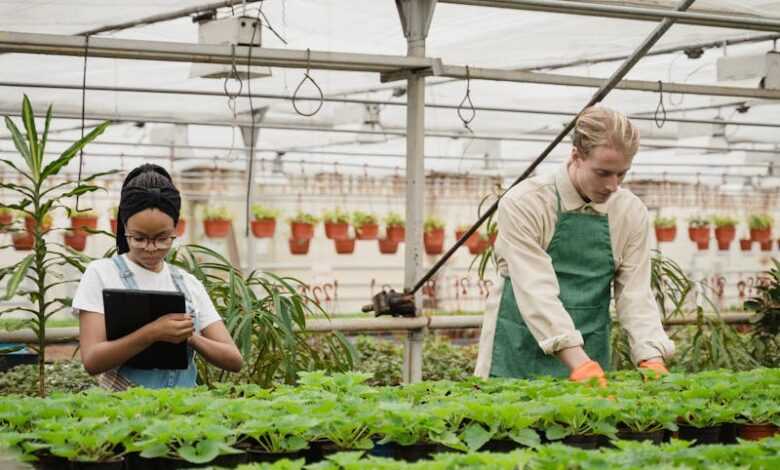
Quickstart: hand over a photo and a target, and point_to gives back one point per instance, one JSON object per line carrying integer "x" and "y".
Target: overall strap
{"x": 558, "y": 197}
{"x": 181, "y": 286}
{"x": 127, "y": 277}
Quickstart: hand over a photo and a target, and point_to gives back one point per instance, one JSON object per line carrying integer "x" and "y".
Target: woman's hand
{"x": 172, "y": 328}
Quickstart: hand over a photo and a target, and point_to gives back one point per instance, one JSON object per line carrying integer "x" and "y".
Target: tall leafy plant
{"x": 766, "y": 328}
{"x": 37, "y": 196}
{"x": 266, "y": 316}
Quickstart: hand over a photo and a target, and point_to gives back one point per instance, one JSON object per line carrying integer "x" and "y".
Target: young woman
{"x": 148, "y": 212}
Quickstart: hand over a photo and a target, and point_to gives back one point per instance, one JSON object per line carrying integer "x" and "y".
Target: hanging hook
{"x": 467, "y": 101}
{"x": 660, "y": 122}
{"x": 306, "y": 76}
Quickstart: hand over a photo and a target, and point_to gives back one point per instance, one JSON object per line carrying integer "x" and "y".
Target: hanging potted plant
{"x": 699, "y": 232}
{"x": 482, "y": 244}
{"x": 76, "y": 239}
{"x": 336, "y": 224}
{"x": 766, "y": 246}
{"x": 6, "y": 219}
{"x": 745, "y": 244}
{"x": 366, "y": 227}
{"x": 388, "y": 246}
{"x": 433, "y": 235}
{"x": 395, "y": 227}
{"x": 344, "y": 246}
{"x": 302, "y": 226}
{"x": 29, "y": 223}
{"x": 217, "y": 222}
{"x": 760, "y": 227}
{"x": 181, "y": 226}
{"x": 23, "y": 240}
{"x": 83, "y": 221}
{"x": 665, "y": 229}
{"x": 725, "y": 230}
{"x": 264, "y": 224}
{"x": 472, "y": 241}
{"x": 299, "y": 246}
{"x": 114, "y": 213}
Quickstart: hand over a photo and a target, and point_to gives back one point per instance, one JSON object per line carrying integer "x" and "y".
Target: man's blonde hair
{"x": 603, "y": 127}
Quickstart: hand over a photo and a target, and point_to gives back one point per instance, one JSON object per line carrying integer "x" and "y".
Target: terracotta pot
{"x": 23, "y": 241}
{"x": 492, "y": 237}
{"x": 703, "y": 245}
{"x": 766, "y": 246}
{"x": 336, "y": 230}
{"x": 181, "y": 227}
{"x": 756, "y": 432}
{"x": 216, "y": 228}
{"x": 344, "y": 246}
{"x": 745, "y": 244}
{"x": 387, "y": 246}
{"x": 434, "y": 241}
{"x": 472, "y": 242}
{"x": 5, "y": 221}
{"x": 665, "y": 234}
{"x": 299, "y": 247}
{"x": 80, "y": 223}
{"x": 114, "y": 225}
{"x": 480, "y": 246}
{"x": 302, "y": 230}
{"x": 698, "y": 234}
{"x": 396, "y": 233}
{"x": 760, "y": 235}
{"x": 725, "y": 235}
{"x": 263, "y": 228}
{"x": 29, "y": 225}
{"x": 76, "y": 239}
{"x": 367, "y": 232}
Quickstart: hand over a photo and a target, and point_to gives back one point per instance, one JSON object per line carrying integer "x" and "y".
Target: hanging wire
{"x": 232, "y": 103}
{"x": 83, "y": 112}
{"x": 251, "y": 175}
{"x": 660, "y": 109}
{"x": 306, "y": 76}
{"x": 467, "y": 101}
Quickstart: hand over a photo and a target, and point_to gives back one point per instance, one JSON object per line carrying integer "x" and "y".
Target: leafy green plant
{"x": 61, "y": 376}
{"x": 336, "y": 216}
{"x": 114, "y": 212}
{"x": 81, "y": 213}
{"x": 766, "y": 324}
{"x": 360, "y": 218}
{"x": 760, "y": 221}
{"x": 266, "y": 316}
{"x": 665, "y": 222}
{"x": 260, "y": 212}
{"x": 304, "y": 218}
{"x": 394, "y": 219}
{"x": 723, "y": 221}
{"x": 432, "y": 223}
{"x": 698, "y": 222}
{"x": 38, "y": 195}
{"x": 217, "y": 213}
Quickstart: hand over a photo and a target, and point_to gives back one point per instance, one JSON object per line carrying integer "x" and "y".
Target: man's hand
{"x": 589, "y": 370}
{"x": 654, "y": 366}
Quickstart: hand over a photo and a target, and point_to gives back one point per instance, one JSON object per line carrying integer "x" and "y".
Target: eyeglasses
{"x": 143, "y": 242}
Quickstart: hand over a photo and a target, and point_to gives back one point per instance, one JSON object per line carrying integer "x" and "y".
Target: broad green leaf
{"x": 21, "y": 270}
{"x": 28, "y": 117}
{"x": 20, "y": 144}
{"x": 475, "y": 436}
{"x": 203, "y": 452}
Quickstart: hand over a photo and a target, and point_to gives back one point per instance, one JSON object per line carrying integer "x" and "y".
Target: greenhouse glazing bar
{"x": 730, "y": 20}
{"x": 271, "y": 96}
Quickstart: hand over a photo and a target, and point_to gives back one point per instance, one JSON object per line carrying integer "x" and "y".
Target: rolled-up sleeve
{"x": 636, "y": 307}
{"x": 520, "y": 245}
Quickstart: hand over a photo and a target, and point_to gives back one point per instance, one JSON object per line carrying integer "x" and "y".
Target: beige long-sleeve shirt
{"x": 526, "y": 217}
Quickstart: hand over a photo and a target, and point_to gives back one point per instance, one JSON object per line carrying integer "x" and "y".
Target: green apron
{"x": 581, "y": 253}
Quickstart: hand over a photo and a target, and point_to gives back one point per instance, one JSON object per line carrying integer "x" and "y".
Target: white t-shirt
{"x": 103, "y": 274}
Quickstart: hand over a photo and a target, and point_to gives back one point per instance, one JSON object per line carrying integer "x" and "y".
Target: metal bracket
{"x": 416, "y": 16}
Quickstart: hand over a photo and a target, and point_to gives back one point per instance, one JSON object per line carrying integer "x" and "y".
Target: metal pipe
{"x": 271, "y": 96}
{"x": 600, "y": 94}
{"x": 729, "y": 20}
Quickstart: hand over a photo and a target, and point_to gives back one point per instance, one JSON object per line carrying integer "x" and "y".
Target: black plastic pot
{"x": 656, "y": 437}
{"x": 310, "y": 455}
{"x": 8, "y": 361}
{"x": 728, "y": 433}
{"x": 118, "y": 464}
{"x": 705, "y": 435}
{"x": 136, "y": 462}
{"x": 583, "y": 441}
{"x": 411, "y": 453}
{"x": 501, "y": 445}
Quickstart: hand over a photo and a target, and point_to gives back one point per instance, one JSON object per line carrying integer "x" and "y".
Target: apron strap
{"x": 127, "y": 277}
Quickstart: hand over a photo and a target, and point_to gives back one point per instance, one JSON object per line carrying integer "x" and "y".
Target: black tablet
{"x": 127, "y": 310}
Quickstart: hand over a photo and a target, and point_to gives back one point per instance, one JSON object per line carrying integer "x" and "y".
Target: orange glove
{"x": 589, "y": 370}
{"x": 655, "y": 366}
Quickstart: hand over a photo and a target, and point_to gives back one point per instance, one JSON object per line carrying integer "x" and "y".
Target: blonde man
{"x": 563, "y": 240}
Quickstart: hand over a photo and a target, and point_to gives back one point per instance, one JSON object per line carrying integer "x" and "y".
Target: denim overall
{"x": 161, "y": 378}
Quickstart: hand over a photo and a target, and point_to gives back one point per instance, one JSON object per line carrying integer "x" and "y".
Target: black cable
{"x": 83, "y": 111}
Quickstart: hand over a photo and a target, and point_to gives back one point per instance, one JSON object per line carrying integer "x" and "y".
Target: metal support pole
{"x": 416, "y": 18}
{"x": 249, "y": 135}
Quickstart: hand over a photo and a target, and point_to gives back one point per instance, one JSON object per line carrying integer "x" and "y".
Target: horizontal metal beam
{"x": 476, "y": 73}
{"x": 730, "y": 20}
{"x": 386, "y": 133}
{"x": 272, "y": 96}
{"x": 54, "y": 44}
